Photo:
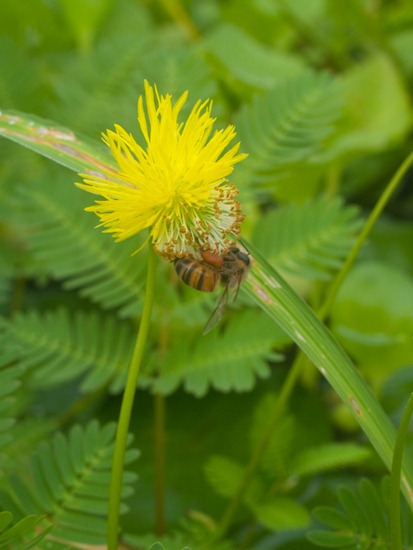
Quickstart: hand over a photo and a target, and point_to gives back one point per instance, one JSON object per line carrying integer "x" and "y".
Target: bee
{"x": 229, "y": 270}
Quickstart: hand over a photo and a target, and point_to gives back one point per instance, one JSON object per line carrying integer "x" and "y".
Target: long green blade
{"x": 76, "y": 152}
{"x": 295, "y": 317}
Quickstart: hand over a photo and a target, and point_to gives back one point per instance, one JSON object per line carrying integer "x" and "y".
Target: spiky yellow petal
{"x": 176, "y": 185}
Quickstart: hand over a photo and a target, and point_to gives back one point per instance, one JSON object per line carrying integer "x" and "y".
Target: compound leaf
{"x": 71, "y": 488}
{"x": 59, "y": 346}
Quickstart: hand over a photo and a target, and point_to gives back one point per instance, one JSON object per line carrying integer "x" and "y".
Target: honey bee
{"x": 229, "y": 270}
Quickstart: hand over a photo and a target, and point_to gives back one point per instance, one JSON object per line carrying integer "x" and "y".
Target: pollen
{"x": 175, "y": 184}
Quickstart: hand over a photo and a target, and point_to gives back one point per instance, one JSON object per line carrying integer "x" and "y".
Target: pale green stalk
{"x": 295, "y": 370}
{"x": 176, "y": 11}
{"x": 126, "y": 408}
{"x": 396, "y": 470}
{"x": 361, "y": 239}
{"x": 294, "y": 316}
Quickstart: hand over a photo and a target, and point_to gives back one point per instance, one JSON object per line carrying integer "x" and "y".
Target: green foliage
{"x": 9, "y": 382}
{"x": 269, "y": 495}
{"x": 248, "y": 61}
{"x": 377, "y": 333}
{"x": 68, "y": 479}
{"x": 310, "y": 239}
{"x": 321, "y": 96}
{"x": 361, "y": 521}
{"x": 63, "y": 242}
{"x": 58, "y": 347}
{"x": 288, "y": 124}
{"x": 370, "y": 121}
{"x": 231, "y": 367}
{"x": 23, "y": 535}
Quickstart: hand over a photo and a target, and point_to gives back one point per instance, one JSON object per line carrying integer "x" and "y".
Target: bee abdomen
{"x": 197, "y": 275}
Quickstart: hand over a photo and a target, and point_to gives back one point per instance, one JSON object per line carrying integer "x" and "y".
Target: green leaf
{"x": 58, "y": 347}
{"x": 334, "y": 518}
{"x": 374, "y": 502}
{"x": 24, "y": 534}
{"x": 225, "y": 476}
{"x": 372, "y": 120}
{"x": 362, "y": 521}
{"x": 373, "y": 316}
{"x": 327, "y": 457}
{"x": 310, "y": 239}
{"x": 194, "y": 535}
{"x": 232, "y": 362}
{"x": 295, "y": 317}
{"x": 68, "y": 480}
{"x": 63, "y": 240}
{"x": 330, "y": 540}
{"x": 248, "y": 60}
{"x": 5, "y": 519}
{"x": 60, "y": 144}
{"x": 9, "y": 382}
{"x": 289, "y": 124}
{"x": 281, "y": 513}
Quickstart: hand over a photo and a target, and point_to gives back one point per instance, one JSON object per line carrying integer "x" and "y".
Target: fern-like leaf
{"x": 288, "y": 124}
{"x": 361, "y": 522}
{"x": 310, "y": 239}
{"x": 22, "y": 535}
{"x": 58, "y": 347}
{"x": 68, "y": 480}
{"x": 63, "y": 239}
{"x": 195, "y": 533}
{"x": 233, "y": 366}
{"x": 9, "y": 382}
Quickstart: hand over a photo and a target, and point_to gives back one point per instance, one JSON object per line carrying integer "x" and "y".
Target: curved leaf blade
{"x": 76, "y": 152}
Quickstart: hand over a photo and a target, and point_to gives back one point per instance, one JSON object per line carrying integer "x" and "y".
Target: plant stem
{"x": 395, "y": 527}
{"x": 297, "y": 319}
{"x": 177, "y": 13}
{"x": 368, "y": 226}
{"x": 115, "y": 489}
{"x": 297, "y": 366}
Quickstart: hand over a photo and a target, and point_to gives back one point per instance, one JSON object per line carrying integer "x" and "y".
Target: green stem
{"x": 396, "y": 469}
{"x": 297, "y": 367}
{"x": 126, "y": 408}
{"x": 296, "y": 318}
{"x": 177, "y": 13}
{"x": 368, "y": 226}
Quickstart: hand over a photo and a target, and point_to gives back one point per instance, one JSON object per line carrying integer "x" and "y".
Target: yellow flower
{"x": 176, "y": 185}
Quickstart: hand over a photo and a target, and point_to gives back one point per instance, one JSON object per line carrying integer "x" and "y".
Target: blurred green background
{"x": 320, "y": 92}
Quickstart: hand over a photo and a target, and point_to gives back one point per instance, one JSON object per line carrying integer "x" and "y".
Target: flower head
{"x": 176, "y": 185}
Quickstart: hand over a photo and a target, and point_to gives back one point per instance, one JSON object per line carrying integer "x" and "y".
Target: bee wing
{"x": 236, "y": 288}
{"x": 217, "y": 313}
